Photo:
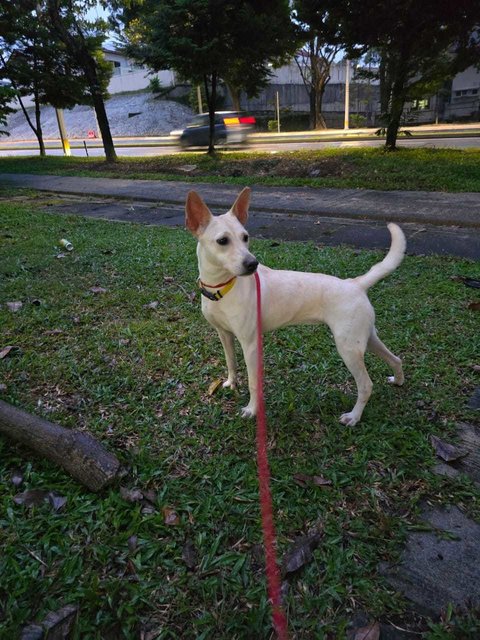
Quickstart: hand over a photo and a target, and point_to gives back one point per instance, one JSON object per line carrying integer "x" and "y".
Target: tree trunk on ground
{"x": 78, "y": 453}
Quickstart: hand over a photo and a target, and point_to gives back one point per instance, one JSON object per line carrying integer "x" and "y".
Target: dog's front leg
{"x": 228, "y": 346}
{"x": 249, "y": 348}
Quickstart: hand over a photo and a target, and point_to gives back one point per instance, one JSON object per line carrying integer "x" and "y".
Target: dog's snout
{"x": 250, "y": 265}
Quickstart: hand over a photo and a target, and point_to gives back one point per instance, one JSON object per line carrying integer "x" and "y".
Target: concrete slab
{"x": 469, "y": 441}
{"x": 441, "y": 566}
{"x": 330, "y": 231}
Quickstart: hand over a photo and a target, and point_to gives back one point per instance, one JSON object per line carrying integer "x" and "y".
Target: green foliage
{"x": 155, "y": 86}
{"x": 357, "y": 121}
{"x": 272, "y": 125}
{"x": 420, "y": 44}
{"x": 7, "y": 95}
{"x": 37, "y": 62}
{"x": 206, "y": 41}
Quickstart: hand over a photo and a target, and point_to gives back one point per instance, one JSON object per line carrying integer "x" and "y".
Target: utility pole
{"x": 347, "y": 93}
{"x": 278, "y": 113}
{"x": 63, "y": 132}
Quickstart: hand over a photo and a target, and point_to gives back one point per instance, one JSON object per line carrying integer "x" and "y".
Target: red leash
{"x": 272, "y": 570}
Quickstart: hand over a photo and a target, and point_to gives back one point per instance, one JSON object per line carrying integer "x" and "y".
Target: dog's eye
{"x": 223, "y": 241}
{"x": 245, "y": 237}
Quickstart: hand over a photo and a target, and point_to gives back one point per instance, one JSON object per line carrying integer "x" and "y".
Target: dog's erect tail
{"x": 391, "y": 261}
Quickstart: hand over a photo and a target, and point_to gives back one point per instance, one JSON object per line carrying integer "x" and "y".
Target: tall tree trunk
{"x": 38, "y": 127}
{"x": 99, "y": 106}
{"x": 395, "y": 115}
{"x": 235, "y": 95}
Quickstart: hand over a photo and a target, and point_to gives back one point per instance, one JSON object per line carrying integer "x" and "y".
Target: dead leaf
{"x": 476, "y": 368}
{"x": 131, "y": 495}
{"x": 187, "y": 168}
{"x": 304, "y": 480}
{"x": 300, "y": 553}
{"x": 31, "y": 498}
{"x": 57, "y": 501}
{"x": 446, "y": 451}
{"x": 5, "y": 351}
{"x": 58, "y": 624}
{"x": 190, "y": 555}
{"x": 474, "y": 306}
{"x": 132, "y": 543}
{"x": 168, "y": 279}
{"x": 61, "y": 255}
{"x": 468, "y": 282}
{"x": 17, "y": 477}
{"x": 151, "y": 305}
{"x": 320, "y": 481}
{"x": 123, "y": 342}
{"x": 180, "y": 389}
{"x": 214, "y": 386}
{"x": 170, "y": 516}
{"x": 371, "y": 632}
{"x": 98, "y": 290}
{"x": 53, "y": 332}
{"x": 14, "y": 306}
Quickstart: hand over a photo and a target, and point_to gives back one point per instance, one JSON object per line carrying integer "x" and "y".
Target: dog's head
{"x": 223, "y": 239}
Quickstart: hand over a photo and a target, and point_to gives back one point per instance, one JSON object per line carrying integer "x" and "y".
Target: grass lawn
{"x": 364, "y": 168}
{"x": 137, "y": 378}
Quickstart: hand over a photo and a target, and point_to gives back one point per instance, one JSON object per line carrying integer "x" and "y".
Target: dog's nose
{"x": 250, "y": 266}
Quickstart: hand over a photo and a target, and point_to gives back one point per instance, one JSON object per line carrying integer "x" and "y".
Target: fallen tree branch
{"x": 83, "y": 457}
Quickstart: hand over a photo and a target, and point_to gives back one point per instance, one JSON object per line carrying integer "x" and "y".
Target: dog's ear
{"x": 241, "y": 204}
{"x": 197, "y": 214}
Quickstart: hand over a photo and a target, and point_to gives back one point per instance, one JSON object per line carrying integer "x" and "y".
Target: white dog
{"x": 288, "y": 297}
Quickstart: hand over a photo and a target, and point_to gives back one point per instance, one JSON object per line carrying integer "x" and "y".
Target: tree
{"x": 314, "y": 61}
{"x": 205, "y": 41}
{"x": 36, "y": 63}
{"x": 421, "y": 44}
{"x": 82, "y": 40}
{"x": 316, "y": 56}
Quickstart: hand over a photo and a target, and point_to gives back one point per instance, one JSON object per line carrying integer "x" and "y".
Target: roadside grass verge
{"x": 137, "y": 378}
{"x": 422, "y": 169}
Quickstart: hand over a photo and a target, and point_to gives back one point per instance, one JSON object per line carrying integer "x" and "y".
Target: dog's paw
{"x": 229, "y": 384}
{"x": 349, "y": 419}
{"x": 248, "y": 412}
{"x": 396, "y": 381}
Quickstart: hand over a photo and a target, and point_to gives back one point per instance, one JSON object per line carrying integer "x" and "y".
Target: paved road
{"x": 159, "y": 148}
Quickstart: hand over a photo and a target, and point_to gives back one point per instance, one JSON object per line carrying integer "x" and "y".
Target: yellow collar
{"x": 222, "y": 289}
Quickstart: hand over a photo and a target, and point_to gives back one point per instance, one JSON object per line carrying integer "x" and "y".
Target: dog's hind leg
{"x": 227, "y": 341}
{"x": 376, "y": 346}
{"x": 353, "y": 358}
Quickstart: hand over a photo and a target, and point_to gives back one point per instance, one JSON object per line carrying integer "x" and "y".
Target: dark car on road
{"x": 231, "y": 127}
